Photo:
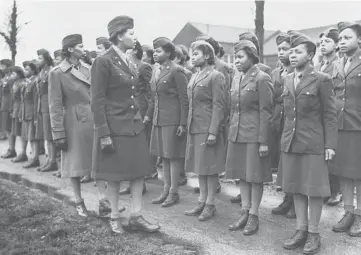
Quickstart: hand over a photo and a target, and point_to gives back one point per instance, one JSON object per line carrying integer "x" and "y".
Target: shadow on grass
{"x": 33, "y": 223}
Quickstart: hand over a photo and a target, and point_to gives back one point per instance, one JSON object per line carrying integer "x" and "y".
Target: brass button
{"x": 132, "y": 106}
{"x": 132, "y": 97}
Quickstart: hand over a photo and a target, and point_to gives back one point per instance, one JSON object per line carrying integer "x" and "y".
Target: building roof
{"x": 226, "y": 34}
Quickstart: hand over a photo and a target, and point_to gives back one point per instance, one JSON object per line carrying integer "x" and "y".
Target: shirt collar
{"x": 121, "y": 54}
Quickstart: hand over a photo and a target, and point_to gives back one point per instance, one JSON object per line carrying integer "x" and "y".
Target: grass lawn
{"x": 31, "y": 223}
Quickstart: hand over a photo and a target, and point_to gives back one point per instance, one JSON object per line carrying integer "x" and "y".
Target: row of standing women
{"x": 212, "y": 121}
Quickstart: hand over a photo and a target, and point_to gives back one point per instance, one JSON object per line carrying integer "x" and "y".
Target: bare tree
{"x": 259, "y": 22}
{"x": 13, "y": 29}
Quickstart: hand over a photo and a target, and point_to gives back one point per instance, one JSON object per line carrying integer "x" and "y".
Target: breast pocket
{"x": 308, "y": 100}
{"x": 249, "y": 95}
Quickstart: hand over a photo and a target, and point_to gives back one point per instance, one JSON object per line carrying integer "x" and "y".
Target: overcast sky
{"x": 49, "y": 20}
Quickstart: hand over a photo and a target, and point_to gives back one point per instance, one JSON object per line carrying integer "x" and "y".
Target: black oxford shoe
{"x": 313, "y": 244}
{"x": 241, "y": 222}
{"x": 345, "y": 223}
{"x": 297, "y": 240}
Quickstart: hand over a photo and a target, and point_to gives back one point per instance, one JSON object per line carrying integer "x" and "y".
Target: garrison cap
{"x": 354, "y": 26}
{"x": 42, "y": 52}
{"x": 250, "y": 37}
{"x": 331, "y": 33}
{"x": 101, "y": 40}
{"x": 7, "y": 62}
{"x": 161, "y": 41}
{"x": 283, "y": 37}
{"x": 201, "y": 42}
{"x": 71, "y": 40}
{"x": 118, "y": 24}
{"x": 58, "y": 53}
{"x": 242, "y": 44}
{"x": 298, "y": 39}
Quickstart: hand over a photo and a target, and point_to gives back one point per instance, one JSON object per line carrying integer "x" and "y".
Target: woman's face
{"x": 284, "y": 53}
{"x": 100, "y": 48}
{"x": 28, "y": 72}
{"x": 198, "y": 58}
{"x": 14, "y": 76}
{"x": 41, "y": 60}
{"x": 128, "y": 39}
{"x": 58, "y": 60}
{"x": 160, "y": 55}
{"x": 327, "y": 46}
{"x": 348, "y": 41}
{"x": 299, "y": 56}
{"x": 77, "y": 51}
{"x": 242, "y": 62}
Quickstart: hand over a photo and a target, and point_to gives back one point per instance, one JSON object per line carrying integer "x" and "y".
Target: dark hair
{"x": 107, "y": 44}
{"x": 20, "y": 73}
{"x": 206, "y": 51}
{"x": 311, "y": 48}
{"x": 48, "y": 59}
{"x": 250, "y": 54}
{"x": 169, "y": 48}
{"x": 114, "y": 38}
{"x": 139, "y": 49}
{"x": 214, "y": 44}
{"x": 179, "y": 54}
{"x": 221, "y": 51}
{"x": 2, "y": 75}
{"x": 150, "y": 55}
{"x": 87, "y": 58}
{"x": 33, "y": 68}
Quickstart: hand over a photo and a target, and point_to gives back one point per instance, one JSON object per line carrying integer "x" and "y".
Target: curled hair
{"x": 179, "y": 54}
{"x": 169, "y": 48}
{"x": 139, "y": 49}
{"x": 250, "y": 54}
{"x": 221, "y": 52}
{"x": 107, "y": 44}
{"x": 214, "y": 44}
{"x": 48, "y": 59}
{"x": 150, "y": 55}
{"x": 206, "y": 50}
{"x": 114, "y": 39}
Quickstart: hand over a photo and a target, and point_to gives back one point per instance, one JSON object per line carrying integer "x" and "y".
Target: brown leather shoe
{"x": 20, "y": 158}
{"x": 139, "y": 223}
{"x": 313, "y": 244}
{"x": 284, "y": 207}
{"x": 345, "y": 223}
{"x": 32, "y": 163}
{"x": 172, "y": 199}
{"x": 355, "y": 230}
{"x": 52, "y": 166}
{"x": 291, "y": 214}
{"x": 251, "y": 227}
{"x": 196, "y": 210}
{"x": 161, "y": 198}
{"x": 208, "y": 212}
{"x": 236, "y": 200}
{"x": 9, "y": 154}
{"x": 297, "y": 240}
{"x": 241, "y": 222}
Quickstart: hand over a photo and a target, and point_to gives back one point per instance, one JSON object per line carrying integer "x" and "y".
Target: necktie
{"x": 157, "y": 73}
{"x": 297, "y": 80}
{"x": 324, "y": 65}
{"x": 347, "y": 64}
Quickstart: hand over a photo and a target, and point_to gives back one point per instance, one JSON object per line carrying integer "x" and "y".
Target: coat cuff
{"x": 212, "y": 131}
{"x": 102, "y": 130}
{"x": 58, "y": 135}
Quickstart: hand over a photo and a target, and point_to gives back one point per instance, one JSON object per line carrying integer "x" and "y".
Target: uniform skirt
{"x": 28, "y": 130}
{"x": 129, "y": 161}
{"x": 15, "y": 127}
{"x": 5, "y": 122}
{"x": 47, "y": 127}
{"x": 166, "y": 144}
{"x": 244, "y": 162}
{"x": 203, "y": 159}
{"x": 39, "y": 128}
{"x": 305, "y": 174}
{"x": 347, "y": 163}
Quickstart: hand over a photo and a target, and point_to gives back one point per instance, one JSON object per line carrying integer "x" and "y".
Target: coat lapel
{"x": 236, "y": 81}
{"x": 356, "y": 61}
{"x": 65, "y": 66}
{"x": 249, "y": 76}
{"x": 165, "y": 70}
{"x": 118, "y": 61}
{"x": 201, "y": 76}
{"x": 308, "y": 77}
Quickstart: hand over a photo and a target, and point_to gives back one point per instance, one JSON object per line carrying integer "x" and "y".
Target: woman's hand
{"x": 329, "y": 154}
{"x": 146, "y": 120}
{"x": 181, "y": 131}
{"x": 211, "y": 140}
{"x": 263, "y": 150}
{"x": 106, "y": 144}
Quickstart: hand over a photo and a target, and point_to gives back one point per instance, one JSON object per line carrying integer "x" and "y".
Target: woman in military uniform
{"x": 247, "y": 154}
{"x": 58, "y": 57}
{"x": 168, "y": 110}
{"x": 205, "y": 145}
{"x": 119, "y": 137}
{"x": 18, "y": 77}
{"x": 102, "y": 44}
{"x": 346, "y": 166}
{"x": 45, "y": 63}
{"x": 328, "y": 45}
{"x": 28, "y": 96}
{"x": 6, "y": 88}
{"x": 287, "y": 207}
{"x": 70, "y": 115}
{"x": 308, "y": 141}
